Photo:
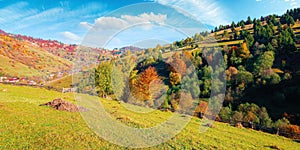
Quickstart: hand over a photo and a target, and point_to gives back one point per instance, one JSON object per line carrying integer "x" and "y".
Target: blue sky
{"x": 116, "y": 23}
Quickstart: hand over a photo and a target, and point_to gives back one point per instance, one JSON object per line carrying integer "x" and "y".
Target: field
{"x": 26, "y": 125}
{"x": 61, "y": 83}
{"x": 221, "y": 43}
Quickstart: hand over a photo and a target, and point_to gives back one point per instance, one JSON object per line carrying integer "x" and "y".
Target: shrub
{"x": 251, "y": 117}
{"x": 264, "y": 118}
{"x": 237, "y": 116}
{"x": 281, "y": 123}
{"x": 225, "y": 114}
{"x": 293, "y": 129}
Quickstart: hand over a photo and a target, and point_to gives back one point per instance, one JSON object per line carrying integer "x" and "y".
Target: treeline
{"x": 288, "y": 18}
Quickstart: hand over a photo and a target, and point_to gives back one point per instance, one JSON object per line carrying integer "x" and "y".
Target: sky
{"x": 118, "y": 23}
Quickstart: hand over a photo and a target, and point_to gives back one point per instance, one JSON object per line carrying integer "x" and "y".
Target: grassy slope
{"x": 16, "y": 68}
{"x": 25, "y": 54}
{"x": 61, "y": 83}
{"x": 24, "y": 124}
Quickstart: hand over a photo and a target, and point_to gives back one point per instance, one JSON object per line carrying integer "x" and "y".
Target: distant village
{"x": 16, "y": 80}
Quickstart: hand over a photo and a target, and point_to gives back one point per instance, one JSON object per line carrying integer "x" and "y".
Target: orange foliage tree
{"x": 244, "y": 52}
{"x": 142, "y": 86}
{"x": 201, "y": 109}
{"x": 178, "y": 65}
{"x": 175, "y": 78}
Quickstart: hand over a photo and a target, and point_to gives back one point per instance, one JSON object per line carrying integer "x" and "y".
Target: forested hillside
{"x": 262, "y": 62}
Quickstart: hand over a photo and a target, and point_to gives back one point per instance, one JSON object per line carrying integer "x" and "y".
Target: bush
{"x": 237, "y": 116}
{"x": 251, "y": 117}
{"x": 293, "y": 129}
{"x": 264, "y": 118}
{"x": 282, "y": 123}
{"x": 225, "y": 114}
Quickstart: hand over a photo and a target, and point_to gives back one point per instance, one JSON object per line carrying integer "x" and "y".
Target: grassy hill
{"x": 26, "y": 125}
{"x": 15, "y": 68}
{"x": 35, "y": 61}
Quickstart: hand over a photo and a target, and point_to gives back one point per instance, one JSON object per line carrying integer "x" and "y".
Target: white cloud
{"x": 206, "y": 11}
{"x": 104, "y": 28}
{"x": 258, "y": 0}
{"x": 86, "y": 25}
{"x": 151, "y": 17}
{"x": 293, "y": 3}
{"x": 110, "y": 23}
{"x": 115, "y": 23}
{"x": 71, "y": 36}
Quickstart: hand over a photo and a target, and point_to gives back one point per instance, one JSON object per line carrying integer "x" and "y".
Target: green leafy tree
{"x": 190, "y": 84}
{"x": 103, "y": 79}
{"x": 225, "y": 114}
{"x": 269, "y": 47}
{"x": 243, "y": 25}
{"x": 236, "y": 34}
{"x": 271, "y": 78}
{"x": 226, "y": 34}
{"x": 117, "y": 81}
{"x": 249, "y": 21}
{"x": 286, "y": 42}
{"x": 232, "y": 26}
{"x": 281, "y": 123}
{"x": 264, "y": 62}
{"x": 234, "y": 59}
{"x": 264, "y": 118}
{"x": 244, "y": 77}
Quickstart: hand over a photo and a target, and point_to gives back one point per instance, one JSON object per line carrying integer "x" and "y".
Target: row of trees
{"x": 258, "y": 116}
{"x": 288, "y": 18}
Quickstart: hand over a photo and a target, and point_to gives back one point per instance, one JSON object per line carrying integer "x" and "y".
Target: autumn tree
{"x": 177, "y": 64}
{"x": 243, "y": 51}
{"x": 142, "y": 86}
{"x": 201, "y": 108}
{"x": 175, "y": 78}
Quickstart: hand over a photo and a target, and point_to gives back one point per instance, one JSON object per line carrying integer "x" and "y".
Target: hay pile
{"x": 62, "y": 105}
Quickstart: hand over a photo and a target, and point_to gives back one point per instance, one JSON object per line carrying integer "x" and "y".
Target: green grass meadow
{"x": 26, "y": 125}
